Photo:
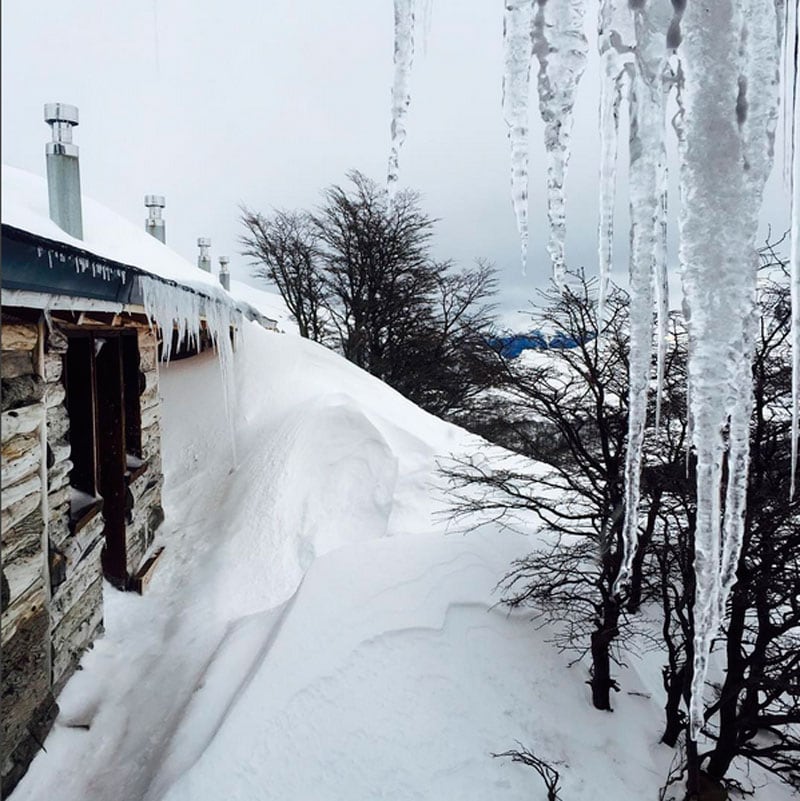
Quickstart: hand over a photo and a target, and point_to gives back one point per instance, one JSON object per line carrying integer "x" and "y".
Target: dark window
{"x": 103, "y": 385}
{"x": 132, "y": 386}
{"x": 80, "y": 402}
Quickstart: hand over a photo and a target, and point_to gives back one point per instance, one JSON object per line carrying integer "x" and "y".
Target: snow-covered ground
{"x": 313, "y": 631}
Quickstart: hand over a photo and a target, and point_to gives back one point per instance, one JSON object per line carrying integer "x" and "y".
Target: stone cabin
{"x": 81, "y": 453}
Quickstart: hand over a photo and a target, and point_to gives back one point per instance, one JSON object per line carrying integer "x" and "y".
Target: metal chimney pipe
{"x": 224, "y": 275}
{"x": 63, "y": 169}
{"x": 154, "y": 224}
{"x": 203, "y": 259}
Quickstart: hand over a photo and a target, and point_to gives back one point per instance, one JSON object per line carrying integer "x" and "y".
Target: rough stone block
{"x": 23, "y": 539}
{"x": 16, "y": 762}
{"x": 53, "y": 366}
{"x": 24, "y": 420}
{"x": 21, "y": 391}
{"x": 57, "y": 424}
{"x": 19, "y": 511}
{"x": 76, "y": 632}
{"x": 26, "y": 589}
{"x": 18, "y": 336}
{"x": 25, "y": 689}
{"x": 16, "y": 363}
{"x": 29, "y": 486}
{"x": 21, "y": 461}
{"x": 55, "y": 394}
{"x": 80, "y": 575}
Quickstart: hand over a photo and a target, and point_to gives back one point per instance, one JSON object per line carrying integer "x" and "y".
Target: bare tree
{"x": 284, "y": 251}
{"x": 756, "y": 710}
{"x": 357, "y": 274}
{"x": 549, "y": 775}
{"x": 568, "y": 411}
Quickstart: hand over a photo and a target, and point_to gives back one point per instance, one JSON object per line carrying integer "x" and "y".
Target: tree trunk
{"x": 727, "y": 743}
{"x": 692, "y": 770}
{"x": 601, "y": 681}
{"x": 635, "y": 589}
{"x": 674, "y": 682}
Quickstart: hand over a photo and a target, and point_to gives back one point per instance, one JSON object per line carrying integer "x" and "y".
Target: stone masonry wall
{"x": 28, "y": 707}
{"x": 52, "y": 578}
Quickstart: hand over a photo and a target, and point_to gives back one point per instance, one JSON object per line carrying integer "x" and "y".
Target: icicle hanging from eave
{"x": 401, "y": 95}
{"x": 221, "y": 321}
{"x": 792, "y": 147}
{"x": 560, "y": 47}
{"x": 758, "y": 115}
{"x": 615, "y": 41}
{"x": 647, "y": 194}
{"x": 516, "y": 88}
{"x": 170, "y": 307}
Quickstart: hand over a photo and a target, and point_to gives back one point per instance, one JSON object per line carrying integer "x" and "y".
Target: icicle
{"x": 516, "y": 87}
{"x": 218, "y": 322}
{"x": 427, "y": 22}
{"x": 728, "y": 61}
{"x": 559, "y": 44}
{"x": 171, "y": 307}
{"x": 401, "y": 97}
{"x": 662, "y": 292}
{"x": 615, "y": 39}
{"x": 647, "y": 180}
{"x": 791, "y": 49}
{"x": 758, "y": 119}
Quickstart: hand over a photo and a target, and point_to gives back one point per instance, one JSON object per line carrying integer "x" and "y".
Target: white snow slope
{"x": 311, "y": 633}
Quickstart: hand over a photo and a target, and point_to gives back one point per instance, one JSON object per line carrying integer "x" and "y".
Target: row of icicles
{"x": 742, "y": 50}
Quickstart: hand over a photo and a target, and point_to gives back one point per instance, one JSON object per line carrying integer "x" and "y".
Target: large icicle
{"x": 559, "y": 44}
{"x": 647, "y": 193}
{"x": 615, "y": 39}
{"x": 401, "y": 95}
{"x": 219, "y": 321}
{"x": 791, "y": 54}
{"x": 759, "y": 83}
{"x": 516, "y": 88}
{"x": 725, "y": 153}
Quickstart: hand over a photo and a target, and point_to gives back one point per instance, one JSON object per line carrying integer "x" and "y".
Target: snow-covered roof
{"x": 270, "y": 304}
{"x": 106, "y": 234}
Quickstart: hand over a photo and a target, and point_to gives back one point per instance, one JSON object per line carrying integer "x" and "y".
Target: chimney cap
{"x": 155, "y": 201}
{"x": 223, "y": 262}
{"x": 60, "y": 112}
{"x": 203, "y": 242}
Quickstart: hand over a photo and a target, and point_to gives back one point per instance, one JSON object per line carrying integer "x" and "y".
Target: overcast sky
{"x": 264, "y": 102}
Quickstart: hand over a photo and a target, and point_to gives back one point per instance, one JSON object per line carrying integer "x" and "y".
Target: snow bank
{"x": 327, "y": 456}
{"x": 389, "y": 673}
{"x": 392, "y": 676}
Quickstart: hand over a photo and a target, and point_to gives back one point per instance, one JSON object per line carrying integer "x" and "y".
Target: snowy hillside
{"x": 313, "y": 633}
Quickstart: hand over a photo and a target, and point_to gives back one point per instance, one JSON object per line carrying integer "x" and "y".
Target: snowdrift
{"x": 312, "y": 634}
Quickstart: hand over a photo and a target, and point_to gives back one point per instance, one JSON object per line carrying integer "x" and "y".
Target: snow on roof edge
{"x": 108, "y": 236}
